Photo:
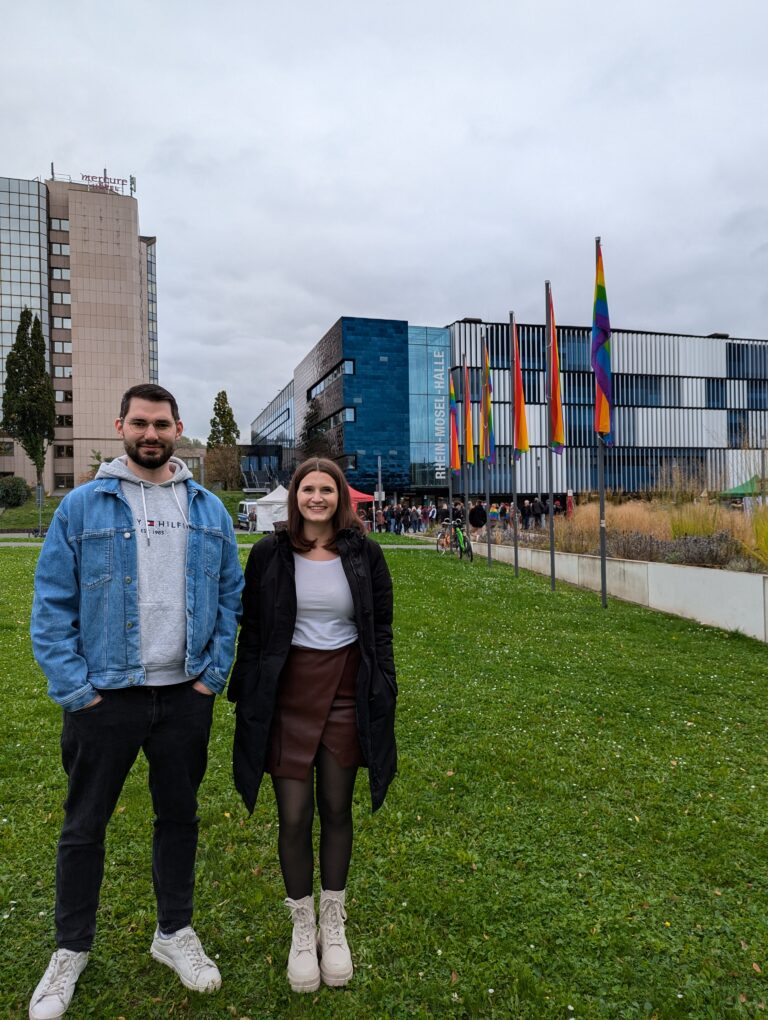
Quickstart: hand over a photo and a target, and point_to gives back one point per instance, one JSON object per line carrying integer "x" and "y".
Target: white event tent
{"x": 272, "y": 508}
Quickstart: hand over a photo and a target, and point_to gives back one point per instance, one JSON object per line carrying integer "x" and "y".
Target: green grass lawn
{"x": 577, "y": 830}
{"x": 24, "y": 518}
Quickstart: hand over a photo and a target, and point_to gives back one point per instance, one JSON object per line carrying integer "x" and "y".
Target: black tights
{"x": 295, "y": 809}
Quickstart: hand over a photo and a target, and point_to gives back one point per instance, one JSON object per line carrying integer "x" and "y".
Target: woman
{"x": 314, "y": 682}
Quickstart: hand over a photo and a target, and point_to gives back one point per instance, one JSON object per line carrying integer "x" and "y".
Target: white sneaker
{"x": 54, "y": 993}
{"x": 184, "y": 953}
{"x": 303, "y": 971}
{"x": 335, "y": 958}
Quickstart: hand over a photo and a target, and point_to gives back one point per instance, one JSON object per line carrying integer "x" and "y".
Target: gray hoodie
{"x": 160, "y": 515}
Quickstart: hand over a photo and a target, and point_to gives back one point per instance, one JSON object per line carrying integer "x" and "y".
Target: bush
{"x": 14, "y": 491}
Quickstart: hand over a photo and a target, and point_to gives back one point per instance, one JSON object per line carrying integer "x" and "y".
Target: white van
{"x": 243, "y": 510}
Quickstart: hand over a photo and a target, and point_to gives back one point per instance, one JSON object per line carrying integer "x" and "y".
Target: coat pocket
{"x": 96, "y": 558}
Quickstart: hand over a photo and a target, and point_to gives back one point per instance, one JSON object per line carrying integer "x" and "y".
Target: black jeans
{"x": 98, "y": 747}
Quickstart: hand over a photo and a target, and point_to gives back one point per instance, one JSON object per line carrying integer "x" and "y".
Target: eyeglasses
{"x": 139, "y": 425}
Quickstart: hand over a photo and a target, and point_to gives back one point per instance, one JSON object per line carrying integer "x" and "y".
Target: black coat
{"x": 269, "y": 616}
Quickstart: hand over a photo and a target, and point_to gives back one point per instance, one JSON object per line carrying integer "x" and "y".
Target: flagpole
{"x": 601, "y": 490}
{"x": 450, "y": 498}
{"x": 550, "y": 464}
{"x": 464, "y": 378}
{"x": 512, "y": 458}
{"x": 487, "y": 450}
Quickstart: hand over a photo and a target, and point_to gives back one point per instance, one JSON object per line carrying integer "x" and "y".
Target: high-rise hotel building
{"x": 73, "y": 254}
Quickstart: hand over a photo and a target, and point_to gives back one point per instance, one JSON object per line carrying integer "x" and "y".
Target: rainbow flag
{"x": 555, "y": 400}
{"x": 521, "y": 424}
{"x": 487, "y": 447}
{"x": 469, "y": 440}
{"x": 601, "y": 356}
{"x": 455, "y": 458}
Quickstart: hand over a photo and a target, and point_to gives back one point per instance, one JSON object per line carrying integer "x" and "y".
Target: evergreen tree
{"x": 224, "y": 430}
{"x": 29, "y": 409}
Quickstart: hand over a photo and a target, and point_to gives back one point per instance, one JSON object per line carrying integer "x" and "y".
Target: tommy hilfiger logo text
{"x": 156, "y": 523}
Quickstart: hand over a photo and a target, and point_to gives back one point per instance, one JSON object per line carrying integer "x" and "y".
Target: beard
{"x": 150, "y": 455}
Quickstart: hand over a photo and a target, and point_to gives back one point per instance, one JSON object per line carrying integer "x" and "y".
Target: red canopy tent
{"x": 359, "y": 497}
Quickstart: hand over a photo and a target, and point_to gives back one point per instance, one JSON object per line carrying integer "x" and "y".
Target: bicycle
{"x": 455, "y": 540}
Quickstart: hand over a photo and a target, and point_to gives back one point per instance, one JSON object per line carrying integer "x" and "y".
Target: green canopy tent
{"x": 752, "y": 487}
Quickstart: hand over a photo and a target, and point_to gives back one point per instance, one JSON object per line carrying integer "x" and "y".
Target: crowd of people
{"x": 404, "y": 518}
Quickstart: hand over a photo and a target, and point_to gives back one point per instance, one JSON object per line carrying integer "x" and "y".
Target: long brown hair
{"x": 344, "y": 516}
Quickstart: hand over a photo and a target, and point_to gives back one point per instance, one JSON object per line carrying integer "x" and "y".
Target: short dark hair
{"x": 344, "y": 517}
{"x": 149, "y": 391}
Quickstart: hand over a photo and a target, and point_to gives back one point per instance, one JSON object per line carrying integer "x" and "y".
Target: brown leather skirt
{"x": 315, "y": 705}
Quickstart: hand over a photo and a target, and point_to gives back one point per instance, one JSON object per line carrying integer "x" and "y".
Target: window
{"x": 62, "y": 371}
{"x": 59, "y": 274}
{"x": 348, "y": 462}
{"x": 6, "y": 448}
{"x": 738, "y": 430}
{"x": 60, "y": 298}
{"x": 62, "y": 346}
{"x": 63, "y": 451}
{"x": 63, "y": 421}
{"x": 343, "y": 368}
{"x": 345, "y": 414}
{"x": 61, "y": 323}
{"x": 63, "y": 396}
{"x": 64, "y": 481}
{"x": 59, "y": 249}
{"x": 59, "y": 224}
{"x": 716, "y": 394}
{"x": 757, "y": 395}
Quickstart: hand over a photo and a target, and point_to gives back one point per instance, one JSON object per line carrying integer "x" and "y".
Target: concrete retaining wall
{"x": 719, "y": 598}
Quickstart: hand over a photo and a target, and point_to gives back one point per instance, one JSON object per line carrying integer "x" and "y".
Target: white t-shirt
{"x": 325, "y": 613}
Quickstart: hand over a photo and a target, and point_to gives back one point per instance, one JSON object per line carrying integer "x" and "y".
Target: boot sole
{"x": 307, "y": 985}
{"x": 337, "y": 980}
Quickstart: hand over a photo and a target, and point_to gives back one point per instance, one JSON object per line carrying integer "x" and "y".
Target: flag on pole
{"x": 601, "y": 355}
{"x": 469, "y": 439}
{"x": 520, "y": 439}
{"x": 487, "y": 440}
{"x": 555, "y": 400}
{"x": 455, "y": 458}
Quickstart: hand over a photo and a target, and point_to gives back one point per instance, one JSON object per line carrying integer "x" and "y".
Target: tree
{"x": 222, "y": 467}
{"x": 29, "y": 409}
{"x": 224, "y": 430}
{"x": 96, "y": 461}
{"x": 222, "y": 462}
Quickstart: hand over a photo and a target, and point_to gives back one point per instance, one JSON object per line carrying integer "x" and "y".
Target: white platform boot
{"x": 303, "y": 971}
{"x": 335, "y": 959}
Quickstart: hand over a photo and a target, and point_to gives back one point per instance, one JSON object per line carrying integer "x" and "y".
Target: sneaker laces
{"x": 193, "y": 951}
{"x": 62, "y": 973}
{"x": 332, "y": 918}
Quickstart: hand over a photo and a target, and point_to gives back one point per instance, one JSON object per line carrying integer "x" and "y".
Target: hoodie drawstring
{"x": 178, "y": 504}
{"x": 144, "y": 504}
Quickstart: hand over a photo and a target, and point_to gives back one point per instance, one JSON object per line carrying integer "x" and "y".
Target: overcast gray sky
{"x": 416, "y": 159}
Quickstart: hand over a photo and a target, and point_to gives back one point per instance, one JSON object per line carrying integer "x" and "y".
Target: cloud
{"x": 424, "y": 161}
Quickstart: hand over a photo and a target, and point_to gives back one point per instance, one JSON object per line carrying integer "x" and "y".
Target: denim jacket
{"x": 85, "y": 614}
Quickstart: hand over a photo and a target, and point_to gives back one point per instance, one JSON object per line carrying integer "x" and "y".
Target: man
{"x": 537, "y": 509}
{"x": 137, "y": 597}
{"x": 477, "y": 518}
